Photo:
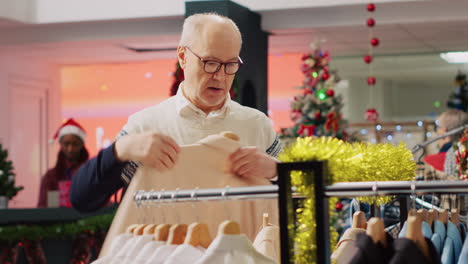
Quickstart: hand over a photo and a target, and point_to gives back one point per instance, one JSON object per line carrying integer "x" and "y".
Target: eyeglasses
{"x": 212, "y": 66}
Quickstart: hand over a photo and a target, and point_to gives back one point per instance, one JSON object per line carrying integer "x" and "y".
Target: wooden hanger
{"x": 266, "y": 220}
{"x": 139, "y": 229}
{"x": 422, "y": 214}
{"x": 430, "y": 218}
{"x": 161, "y": 232}
{"x": 130, "y": 228}
{"x": 198, "y": 234}
{"x": 375, "y": 229}
{"x": 443, "y": 216}
{"x": 455, "y": 217}
{"x": 414, "y": 232}
{"x": 229, "y": 228}
{"x": 177, "y": 234}
{"x": 434, "y": 214}
{"x": 149, "y": 229}
{"x": 359, "y": 220}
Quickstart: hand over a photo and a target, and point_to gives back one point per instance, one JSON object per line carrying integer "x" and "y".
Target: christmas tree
{"x": 459, "y": 97}
{"x": 317, "y": 110}
{"x": 7, "y": 176}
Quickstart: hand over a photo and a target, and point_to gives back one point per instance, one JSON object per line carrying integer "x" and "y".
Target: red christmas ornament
{"x": 371, "y": 7}
{"x": 307, "y": 91}
{"x": 325, "y": 76}
{"x": 318, "y": 116}
{"x": 374, "y": 42}
{"x": 330, "y": 93}
{"x": 368, "y": 59}
{"x": 370, "y": 22}
{"x": 305, "y": 57}
{"x": 372, "y": 115}
{"x": 371, "y": 80}
{"x": 339, "y": 207}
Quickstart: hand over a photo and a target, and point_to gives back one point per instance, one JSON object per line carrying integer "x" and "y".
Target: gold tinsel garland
{"x": 347, "y": 162}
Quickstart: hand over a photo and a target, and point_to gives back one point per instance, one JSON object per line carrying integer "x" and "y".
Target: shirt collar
{"x": 184, "y": 106}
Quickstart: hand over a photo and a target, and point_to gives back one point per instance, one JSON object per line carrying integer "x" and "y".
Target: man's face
{"x": 217, "y": 42}
{"x": 71, "y": 146}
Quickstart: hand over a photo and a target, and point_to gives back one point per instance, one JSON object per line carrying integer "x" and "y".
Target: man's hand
{"x": 151, "y": 149}
{"x": 249, "y": 162}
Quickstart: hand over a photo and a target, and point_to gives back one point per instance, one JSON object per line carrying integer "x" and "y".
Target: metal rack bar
{"x": 342, "y": 189}
{"x": 384, "y": 188}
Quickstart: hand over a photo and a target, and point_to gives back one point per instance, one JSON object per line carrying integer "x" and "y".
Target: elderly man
{"x": 208, "y": 53}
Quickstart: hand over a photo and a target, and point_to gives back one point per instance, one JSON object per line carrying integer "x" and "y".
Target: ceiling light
{"x": 455, "y": 57}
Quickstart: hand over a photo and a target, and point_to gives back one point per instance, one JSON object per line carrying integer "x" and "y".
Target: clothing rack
{"x": 285, "y": 194}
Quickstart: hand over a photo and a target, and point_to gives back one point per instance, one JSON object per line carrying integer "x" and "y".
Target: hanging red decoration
{"x": 368, "y": 59}
{"x": 370, "y": 22}
{"x": 318, "y": 116}
{"x": 372, "y": 115}
{"x": 325, "y": 76}
{"x": 330, "y": 93}
{"x": 371, "y": 7}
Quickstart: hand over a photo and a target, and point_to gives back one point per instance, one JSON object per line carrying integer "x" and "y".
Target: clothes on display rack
{"x": 180, "y": 244}
{"x": 201, "y": 165}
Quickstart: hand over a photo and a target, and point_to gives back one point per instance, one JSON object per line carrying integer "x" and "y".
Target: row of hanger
{"x": 375, "y": 227}
{"x": 195, "y": 234}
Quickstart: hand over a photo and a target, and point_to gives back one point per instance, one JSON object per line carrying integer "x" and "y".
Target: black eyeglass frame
{"x": 240, "y": 63}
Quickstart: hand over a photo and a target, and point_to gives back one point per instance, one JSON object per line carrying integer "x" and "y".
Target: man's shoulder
{"x": 161, "y": 108}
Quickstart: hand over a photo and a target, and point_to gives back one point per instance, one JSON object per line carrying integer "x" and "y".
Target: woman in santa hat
{"x": 71, "y": 156}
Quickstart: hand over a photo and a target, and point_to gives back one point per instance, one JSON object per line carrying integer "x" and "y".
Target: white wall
{"x": 408, "y": 100}
{"x": 33, "y": 78}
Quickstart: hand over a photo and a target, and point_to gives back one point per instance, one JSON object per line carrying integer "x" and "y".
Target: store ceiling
{"x": 412, "y": 34}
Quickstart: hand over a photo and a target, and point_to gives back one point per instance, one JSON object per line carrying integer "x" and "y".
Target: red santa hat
{"x": 70, "y": 127}
{"x": 436, "y": 160}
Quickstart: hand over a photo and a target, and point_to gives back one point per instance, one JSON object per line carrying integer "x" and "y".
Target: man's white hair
{"x": 193, "y": 27}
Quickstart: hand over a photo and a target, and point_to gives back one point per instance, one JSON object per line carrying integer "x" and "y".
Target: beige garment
{"x": 267, "y": 242}
{"x": 346, "y": 247}
{"x": 185, "y": 254}
{"x": 147, "y": 251}
{"x": 161, "y": 254}
{"x": 200, "y": 165}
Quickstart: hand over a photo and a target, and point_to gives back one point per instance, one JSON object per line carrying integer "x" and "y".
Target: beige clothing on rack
{"x": 200, "y": 165}
{"x": 267, "y": 242}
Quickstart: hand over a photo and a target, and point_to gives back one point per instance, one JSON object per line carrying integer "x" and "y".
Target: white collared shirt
{"x": 178, "y": 118}
{"x": 233, "y": 249}
{"x": 185, "y": 254}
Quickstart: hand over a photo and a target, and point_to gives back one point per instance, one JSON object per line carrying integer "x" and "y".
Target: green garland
{"x": 346, "y": 162}
{"x": 55, "y": 231}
